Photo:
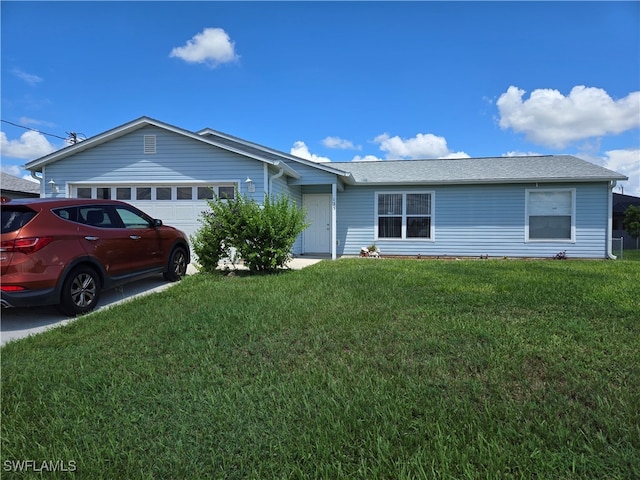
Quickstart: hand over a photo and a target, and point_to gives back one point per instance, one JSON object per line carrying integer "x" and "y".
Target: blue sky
{"x": 336, "y": 81}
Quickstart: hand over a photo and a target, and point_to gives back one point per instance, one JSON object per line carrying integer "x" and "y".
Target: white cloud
{"x": 26, "y": 77}
{"x": 517, "y": 153}
{"x": 340, "y": 143}
{"x": 33, "y": 121}
{"x": 30, "y": 178}
{"x": 301, "y": 150}
{"x": 423, "y": 145}
{"x": 29, "y": 146}
{"x": 456, "y": 155}
{"x": 212, "y": 47}
{"x": 366, "y": 158}
{"x": 14, "y": 170}
{"x": 549, "y": 118}
{"x": 626, "y": 162}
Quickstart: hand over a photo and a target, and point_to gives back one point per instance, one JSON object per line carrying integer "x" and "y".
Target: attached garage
{"x": 178, "y": 205}
{"x": 170, "y": 173}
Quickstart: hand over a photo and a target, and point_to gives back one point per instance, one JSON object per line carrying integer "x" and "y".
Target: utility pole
{"x": 73, "y": 137}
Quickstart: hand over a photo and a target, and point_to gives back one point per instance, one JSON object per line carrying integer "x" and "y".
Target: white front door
{"x": 317, "y": 237}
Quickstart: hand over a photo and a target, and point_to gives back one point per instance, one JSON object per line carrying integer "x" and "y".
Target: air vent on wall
{"x": 149, "y": 144}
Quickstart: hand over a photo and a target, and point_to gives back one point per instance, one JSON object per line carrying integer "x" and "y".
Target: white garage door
{"x": 177, "y": 205}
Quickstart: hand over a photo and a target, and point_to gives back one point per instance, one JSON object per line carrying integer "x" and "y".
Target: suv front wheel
{"x": 177, "y": 267}
{"x": 80, "y": 291}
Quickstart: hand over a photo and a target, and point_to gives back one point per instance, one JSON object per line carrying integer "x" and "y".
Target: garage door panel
{"x": 182, "y": 214}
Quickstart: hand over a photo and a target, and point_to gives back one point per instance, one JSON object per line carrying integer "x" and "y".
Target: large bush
{"x": 261, "y": 235}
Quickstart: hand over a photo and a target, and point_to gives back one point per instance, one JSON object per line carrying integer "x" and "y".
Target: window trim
{"x": 572, "y": 238}
{"x": 173, "y": 185}
{"x": 403, "y": 237}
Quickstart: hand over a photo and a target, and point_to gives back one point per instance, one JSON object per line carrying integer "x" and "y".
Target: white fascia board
{"x": 485, "y": 182}
{"x": 37, "y": 164}
{"x": 285, "y": 156}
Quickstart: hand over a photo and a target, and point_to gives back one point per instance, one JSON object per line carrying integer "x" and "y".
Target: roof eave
{"x": 326, "y": 166}
{"x": 36, "y": 165}
{"x": 493, "y": 181}
{"x": 287, "y": 169}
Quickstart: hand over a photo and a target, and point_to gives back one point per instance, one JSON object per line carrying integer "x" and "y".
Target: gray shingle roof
{"x": 16, "y": 184}
{"x": 552, "y": 168}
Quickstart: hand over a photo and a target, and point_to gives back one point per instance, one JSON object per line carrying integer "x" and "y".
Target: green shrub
{"x": 262, "y": 235}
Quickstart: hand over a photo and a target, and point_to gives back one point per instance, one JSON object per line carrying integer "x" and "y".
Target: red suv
{"x": 63, "y": 252}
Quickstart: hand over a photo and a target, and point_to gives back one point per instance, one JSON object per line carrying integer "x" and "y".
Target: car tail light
{"x": 11, "y": 288}
{"x": 25, "y": 245}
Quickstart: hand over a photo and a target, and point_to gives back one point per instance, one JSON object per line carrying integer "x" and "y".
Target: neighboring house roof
{"x": 11, "y": 183}
{"x": 622, "y": 202}
{"x": 552, "y": 168}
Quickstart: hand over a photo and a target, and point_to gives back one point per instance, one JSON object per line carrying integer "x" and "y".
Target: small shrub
{"x": 262, "y": 235}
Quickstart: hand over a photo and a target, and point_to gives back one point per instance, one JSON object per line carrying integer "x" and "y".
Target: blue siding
{"x": 279, "y": 185}
{"x": 476, "y": 220}
{"x": 469, "y": 220}
{"x": 178, "y": 159}
{"x": 311, "y": 175}
{"x": 295, "y": 193}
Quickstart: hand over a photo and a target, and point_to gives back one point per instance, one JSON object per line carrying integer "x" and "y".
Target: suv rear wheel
{"x": 80, "y": 291}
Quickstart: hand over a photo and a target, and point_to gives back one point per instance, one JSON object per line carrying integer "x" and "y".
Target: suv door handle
{"x": 135, "y": 237}
{"x": 91, "y": 238}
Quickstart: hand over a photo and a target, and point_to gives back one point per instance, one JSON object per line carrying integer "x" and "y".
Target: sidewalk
{"x": 298, "y": 263}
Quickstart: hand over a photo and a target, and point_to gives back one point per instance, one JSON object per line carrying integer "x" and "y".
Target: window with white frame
{"x": 404, "y": 215}
{"x": 550, "y": 215}
{"x": 157, "y": 193}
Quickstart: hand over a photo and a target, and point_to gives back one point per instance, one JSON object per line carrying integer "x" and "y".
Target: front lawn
{"x": 633, "y": 255}
{"x": 360, "y": 368}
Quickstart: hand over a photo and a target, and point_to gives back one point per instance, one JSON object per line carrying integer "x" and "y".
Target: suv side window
{"x": 67, "y": 213}
{"x": 132, "y": 219}
{"x": 98, "y": 216}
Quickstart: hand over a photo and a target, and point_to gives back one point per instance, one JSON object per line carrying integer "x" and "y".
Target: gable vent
{"x": 149, "y": 144}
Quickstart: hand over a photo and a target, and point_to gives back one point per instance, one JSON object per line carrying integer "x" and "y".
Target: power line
{"x": 38, "y": 131}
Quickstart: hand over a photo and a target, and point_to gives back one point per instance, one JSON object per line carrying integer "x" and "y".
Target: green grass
{"x": 632, "y": 255}
{"x": 360, "y": 368}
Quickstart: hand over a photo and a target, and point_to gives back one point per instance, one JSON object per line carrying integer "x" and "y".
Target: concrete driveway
{"x": 18, "y": 323}
{"x": 22, "y": 322}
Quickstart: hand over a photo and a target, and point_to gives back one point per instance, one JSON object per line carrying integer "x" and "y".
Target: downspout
{"x": 275, "y": 177}
{"x": 265, "y": 181}
{"x": 39, "y": 180}
{"x": 334, "y": 235}
{"x": 610, "y": 255}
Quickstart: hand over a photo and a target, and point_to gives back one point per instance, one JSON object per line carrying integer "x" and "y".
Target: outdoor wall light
{"x": 250, "y": 185}
{"x": 53, "y": 186}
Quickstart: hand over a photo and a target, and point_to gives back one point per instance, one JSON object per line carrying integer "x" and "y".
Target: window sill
{"x": 422, "y": 240}
{"x": 549, "y": 240}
